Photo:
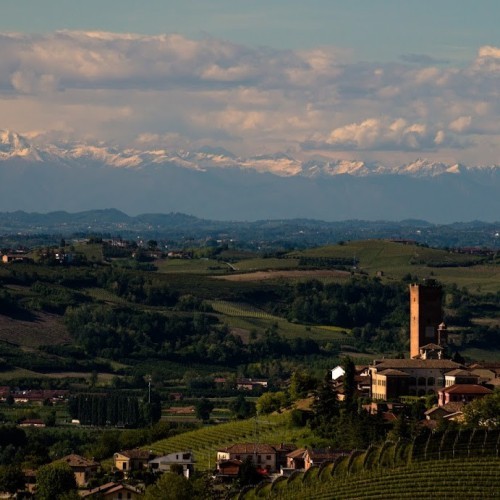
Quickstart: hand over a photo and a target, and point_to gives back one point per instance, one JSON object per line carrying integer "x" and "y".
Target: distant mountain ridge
{"x": 214, "y": 183}
{"x": 183, "y": 229}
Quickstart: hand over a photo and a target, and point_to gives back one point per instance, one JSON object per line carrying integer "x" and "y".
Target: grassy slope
{"x": 394, "y": 259}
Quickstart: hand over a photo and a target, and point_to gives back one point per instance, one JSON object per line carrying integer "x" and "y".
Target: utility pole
{"x": 149, "y": 388}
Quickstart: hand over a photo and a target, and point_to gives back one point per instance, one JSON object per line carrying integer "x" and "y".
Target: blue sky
{"x": 360, "y": 79}
{"x": 374, "y": 29}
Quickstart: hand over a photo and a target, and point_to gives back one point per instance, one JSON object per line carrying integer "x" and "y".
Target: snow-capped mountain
{"x": 216, "y": 184}
{"x": 14, "y": 146}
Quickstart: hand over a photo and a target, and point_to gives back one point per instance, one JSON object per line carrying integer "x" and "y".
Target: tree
{"x": 349, "y": 383}
{"x": 248, "y": 473}
{"x": 11, "y": 478}
{"x": 271, "y": 401}
{"x": 301, "y": 383}
{"x": 53, "y": 480}
{"x": 203, "y": 408}
{"x": 170, "y": 487}
{"x": 484, "y": 411}
{"x": 241, "y": 408}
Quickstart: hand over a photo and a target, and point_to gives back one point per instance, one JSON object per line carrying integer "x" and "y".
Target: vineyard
{"x": 205, "y": 442}
{"x": 454, "y": 464}
{"x": 240, "y": 309}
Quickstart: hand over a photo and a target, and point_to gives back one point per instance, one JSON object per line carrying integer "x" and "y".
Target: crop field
{"x": 453, "y": 464}
{"x": 265, "y": 264}
{"x": 292, "y": 274}
{"x": 93, "y": 252}
{"x": 203, "y": 266}
{"x": 448, "y": 479}
{"x": 42, "y": 329}
{"x": 287, "y": 329}
{"x": 103, "y": 295}
{"x": 396, "y": 260}
{"x": 240, "y": 309}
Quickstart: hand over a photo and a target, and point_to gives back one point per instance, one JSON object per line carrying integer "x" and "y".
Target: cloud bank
{"x": 173, "y": 90}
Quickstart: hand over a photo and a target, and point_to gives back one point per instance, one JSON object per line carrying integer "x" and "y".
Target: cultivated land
{"x": 230, "y": 282}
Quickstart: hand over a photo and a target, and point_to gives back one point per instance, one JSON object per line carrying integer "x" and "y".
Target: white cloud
{"x": 129, "y": 87}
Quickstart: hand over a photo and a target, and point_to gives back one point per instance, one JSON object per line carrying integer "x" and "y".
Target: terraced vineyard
{"x": 454, "y": 464}
{"x": 444, "y": 479}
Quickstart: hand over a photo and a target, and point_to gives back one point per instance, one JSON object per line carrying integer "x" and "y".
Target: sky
{"x": 385, "y": 80}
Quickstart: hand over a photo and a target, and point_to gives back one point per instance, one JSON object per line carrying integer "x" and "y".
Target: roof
{"x": 248, "y": 448}
{"x": 466, "y": 389}
{"x": 111, "y": 487}
{"x": 284, "y": 447}
{"x": 453, "y": 406}
{"x": 436, "y": 347}
{"x": 136, "y": 453}
{"x": 74, "y": 460}
{"x": 459, "y": 372}
{"x": 434, "y": 409}
{"x": 416, "y": 363}
{"x": 326, "y": 454}
{"x": 391, "y": 372}
{"x": 296, "y": 453}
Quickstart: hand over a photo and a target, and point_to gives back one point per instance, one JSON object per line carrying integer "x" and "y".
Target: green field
{"x": 396, "y": 260}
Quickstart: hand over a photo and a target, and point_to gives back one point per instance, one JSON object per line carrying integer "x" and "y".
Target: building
{"x": 113, "y": 491}
{"x": 130, "y": 460}
{"x": 392, "y": 378}
{"x": 462, "y": 393}
{"x": 426, "y": 314}
{"x": 83, "y": 469}
{"x": 263, "y": 456}
{"x": 318, "y": 457}
{"x": 460, "y": 377}
{"x": 183, "y": 458}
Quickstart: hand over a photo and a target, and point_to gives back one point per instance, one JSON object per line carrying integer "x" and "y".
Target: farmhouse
{"x": 263, "y": 456}
{"x": 113, "y": 491}
{"x": 130, "y": 460}
{"x": 82, "y": 468}
{"x": 183, "y": 458}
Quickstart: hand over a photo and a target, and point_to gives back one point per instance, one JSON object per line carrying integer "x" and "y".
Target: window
{"x": 430, "y": 381}
{"x": 268, "y": 457}
{"x": 119, "y": 496}
{"x": 421, "y": 380}
{"x": 238, "y": 457}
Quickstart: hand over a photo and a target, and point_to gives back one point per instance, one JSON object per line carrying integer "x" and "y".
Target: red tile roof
{"x": 466, "y": 389}
{"x": 249, "y": 448}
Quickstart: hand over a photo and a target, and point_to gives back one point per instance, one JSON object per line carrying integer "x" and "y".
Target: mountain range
{"x": 216, "y": 184}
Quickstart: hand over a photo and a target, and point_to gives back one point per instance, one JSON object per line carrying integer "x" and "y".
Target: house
{"x": 462, "y": 392}
{"x": 282, "y": 451}
{"x": 263, "y": 455}
{"x": 131, "y": 460}
{"x": 392, "y": 378}
{"x": 228, "y": 469}
{"x": 295, "y": 459}
{"x": 82, "y": 468}
{"x": 249, "y": 384}
{"x": 319, "y": 456}
{"x": 460, "y": 377}
{"x": 183, "y": 458}
{"x": 113, "y": 491}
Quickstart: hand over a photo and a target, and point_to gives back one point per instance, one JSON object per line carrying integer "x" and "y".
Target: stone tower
{"x": 426, "y": 315}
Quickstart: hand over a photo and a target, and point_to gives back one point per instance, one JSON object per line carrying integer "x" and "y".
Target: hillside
{"x": 455, "y": 464}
